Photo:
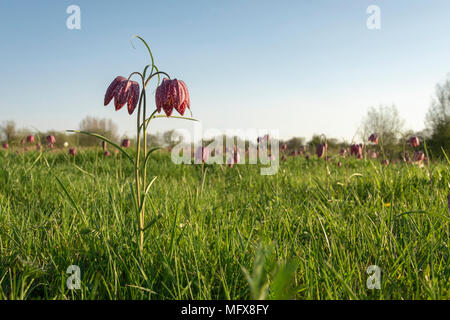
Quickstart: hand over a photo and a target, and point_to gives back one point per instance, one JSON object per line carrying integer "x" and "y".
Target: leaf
{"x": 148, "y": 155}
{"x": 104, "y": 139}
{"x": 72, "y": 201}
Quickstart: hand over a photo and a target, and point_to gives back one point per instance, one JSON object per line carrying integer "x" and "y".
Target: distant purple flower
{"x": 126, "y": 143}
{"x": 73, "y": 151}
{"x": 320, "y": 149}
{"x": 30, "y": 139}
{"x": 414, "y": 141}
{"x": 201, "y": 155}
{"x": 5, "y": 145}
{"x": 419, "y": 156}
{"x": 357, "y": 150}
{"x": 106, "y": 153}
{"x": 51, "y": 140}
{"x": 373, "y": 138}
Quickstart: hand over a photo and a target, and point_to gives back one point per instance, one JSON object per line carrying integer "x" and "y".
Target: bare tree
{"x": 437, "y": 120}
{"x": 385, "y": 122}
{"x": 8, "y": 130}
{"x": 104, "y": 127}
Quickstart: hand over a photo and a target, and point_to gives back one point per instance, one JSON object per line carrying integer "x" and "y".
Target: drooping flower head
{"x": 343, "y": 152}
{"x": 201, "y": 155}
{"x": 373, "y": 154}
{"x": 373, "y": 138}
{"x": 126, "y": 143}
{"x": 124, "y": 92}
{"x": 30, "y": 138}
{"x": 236, "y": 158}
{"x": 419, "y": 156}
{"x": 172, "y": 94}
{"x": 414, "y": 141}
{"x": 51, "y": 140}
{"x": 385, "y": 162}
{"x": 284, "y": 147}
{"x": 320, "y": 149}
{"x": 73, "y": 151}
{"x": 357, "y": 150}
{"x": 5, "y": 145}
{"x": 406, "y": 157}
{"x": 106, "y": 153}
{"x": 104, "y": 145}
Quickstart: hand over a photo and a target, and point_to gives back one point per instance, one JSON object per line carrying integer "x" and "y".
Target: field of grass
{"x": 221, "y": 233}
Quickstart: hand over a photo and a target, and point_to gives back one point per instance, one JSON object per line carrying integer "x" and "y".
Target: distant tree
{"x": 295, "y": 143}
{"x": 437, "y": 120}
{"x": 8, "y": 130}
{"x": 104, "y": 127}
{"x": 385, "y": 122}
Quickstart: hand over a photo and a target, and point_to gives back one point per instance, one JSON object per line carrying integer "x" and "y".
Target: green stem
{"x": 137, "y": 175}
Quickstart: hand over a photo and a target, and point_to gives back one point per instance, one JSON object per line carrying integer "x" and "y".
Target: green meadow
{"x": 212, "y": 232}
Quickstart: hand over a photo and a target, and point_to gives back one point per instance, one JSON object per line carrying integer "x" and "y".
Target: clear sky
{"x": 300, "y": 66}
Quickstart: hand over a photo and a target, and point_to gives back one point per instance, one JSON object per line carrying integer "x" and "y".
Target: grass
{"x": 222, "y": 233}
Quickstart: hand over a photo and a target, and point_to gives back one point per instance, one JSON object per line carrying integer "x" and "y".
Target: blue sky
{"x": 302, "y": 67}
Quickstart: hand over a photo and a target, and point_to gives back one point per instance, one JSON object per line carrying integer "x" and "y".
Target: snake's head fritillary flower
{"x": 373, "y": 138}
{"x": 373, "y": 154}
{"x": 124, "y": 92}
{"x": 385, "y": 162}
{"x": 126, "y": 143}
{"x": 357, "y": 150}
{"x": 133, "y": 96}
{"x": 236, "y": 158}
{"x": 110, "y": 92}
{"x": 30, "y": 138}
{"x": 343, "y": 152}
{"x": 22, "y": 142}
{"x": 414, "y": 141}
{"x": 339, "y": 164}
{"x": 406, "y": 157}
{"x": 5, "y": 145}
{"x": 419, "y": 156}
{"x": 106, "y": 153}
{"x": 104, "y": 145}
{"x": 201, "y": 155}
{"x": 51, "y": 140}
{"x": 284, "y": 147}
{"x": 320, "y": 149}
{"x": 73, "y": 151}
{"x": 170, "y": 95}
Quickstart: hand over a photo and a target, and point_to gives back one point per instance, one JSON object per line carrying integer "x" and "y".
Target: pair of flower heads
{"x": 170, "y": 95}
